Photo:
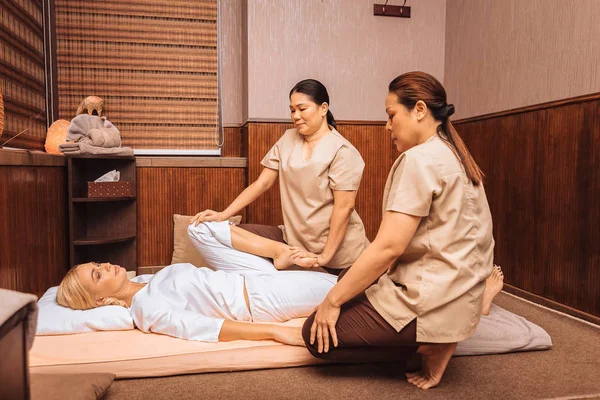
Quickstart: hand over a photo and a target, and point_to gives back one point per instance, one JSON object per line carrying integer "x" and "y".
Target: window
{"x": 22, "y": 69}
{"x": 155, "y": 64}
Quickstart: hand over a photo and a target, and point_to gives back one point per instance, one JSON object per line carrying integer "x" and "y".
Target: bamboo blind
{"x": 154, "y": 63}
{"x": 22, "y": 72}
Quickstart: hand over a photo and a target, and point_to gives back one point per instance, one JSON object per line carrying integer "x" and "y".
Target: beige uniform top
{"x": 307, "y": 192}
{"x": 440, "y": 278}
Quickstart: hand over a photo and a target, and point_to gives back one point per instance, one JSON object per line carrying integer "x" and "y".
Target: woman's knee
{"x": 197, "y": 231}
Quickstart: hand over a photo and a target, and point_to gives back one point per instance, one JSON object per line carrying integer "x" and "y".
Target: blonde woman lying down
{"x": 201, "y": 304}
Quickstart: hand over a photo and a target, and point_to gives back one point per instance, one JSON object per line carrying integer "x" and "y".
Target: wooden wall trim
{"x": 26, "y": 158}
{"x": 288, "y": 121}
{"x": 191, "y": 162}
{"x": 535, "y": 107}
{"x": 542, "y": 183}
{"x": 524, "y": 294}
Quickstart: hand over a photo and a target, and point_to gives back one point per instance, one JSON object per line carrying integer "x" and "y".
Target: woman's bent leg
{"x": 363, "y": 335}
{"x": 213, "y": 241}
{"x": 249, "y": 242}
{"x": 267, "y": 241}
{"x": 287, "y": 294}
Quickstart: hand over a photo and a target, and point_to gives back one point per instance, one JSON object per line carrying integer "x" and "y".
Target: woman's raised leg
{"x": 249, "y": 242}
{"x": 214, "y": 241}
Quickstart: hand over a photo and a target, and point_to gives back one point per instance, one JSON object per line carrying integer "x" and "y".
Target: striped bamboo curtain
{"x": 22, "y": 73}
{"x": 154, "y": 62}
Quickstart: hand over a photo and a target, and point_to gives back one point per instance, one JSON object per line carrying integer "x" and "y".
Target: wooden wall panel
{"x": 33, "y": 228}
{"x": 261, "y": 137}
{"x": 163, "y": 192}
{"x": 543, "y": 183}
{"x": 233, "y": 144}
{"x": 371, "y": 141}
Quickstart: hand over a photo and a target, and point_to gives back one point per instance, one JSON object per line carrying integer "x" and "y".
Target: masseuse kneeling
{"x": 434, "y": 246}
{"x": 319, "y": 173}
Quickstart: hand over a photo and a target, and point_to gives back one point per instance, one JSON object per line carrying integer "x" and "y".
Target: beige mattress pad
{"x": 132, "y": 354}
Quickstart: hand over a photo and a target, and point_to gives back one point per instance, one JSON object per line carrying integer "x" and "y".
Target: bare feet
{"x": 493, "y": 286}
{"x": 288, "y": 256}
{"x": 283, "y": 259}
{"x": 435, "y": 358}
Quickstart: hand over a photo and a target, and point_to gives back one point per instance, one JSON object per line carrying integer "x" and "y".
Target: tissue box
{"x": 110, "y": 189}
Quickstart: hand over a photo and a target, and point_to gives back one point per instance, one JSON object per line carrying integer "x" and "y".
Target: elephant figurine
{"x": 92, "y": 105}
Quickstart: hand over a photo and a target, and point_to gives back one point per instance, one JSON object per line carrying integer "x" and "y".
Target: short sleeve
{"x": 272, "y": 159}
{"x": 415, "y": 183}
{"x": 346, "y": 169}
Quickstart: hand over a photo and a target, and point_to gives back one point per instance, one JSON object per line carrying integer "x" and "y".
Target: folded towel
{"x": 94, "y": 130}
{"x": 71, "y": 149}
{"x": 11, "y": 302}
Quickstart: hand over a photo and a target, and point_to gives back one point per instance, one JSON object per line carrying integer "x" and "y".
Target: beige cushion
{"x": 70, "y": 386}
{"x": 183, "y": 249}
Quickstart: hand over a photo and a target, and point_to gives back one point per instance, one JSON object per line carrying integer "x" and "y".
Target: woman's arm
{"x": 236, "y": 330}
{"x": 193, "y": 326}
{"x": 264, "y": 182}
{"x": 343, "y": 206}
{"x": 395, "y": 233}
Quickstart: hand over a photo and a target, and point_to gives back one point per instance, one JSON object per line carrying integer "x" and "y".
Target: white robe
{"x": 192, "y": 303}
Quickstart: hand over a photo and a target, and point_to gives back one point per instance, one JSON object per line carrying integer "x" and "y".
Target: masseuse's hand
{"x": 321, "y": 260}
{"x": 206, "y": 216}
{"x": 324, "y": 326}
{"x": 304, "y": 258}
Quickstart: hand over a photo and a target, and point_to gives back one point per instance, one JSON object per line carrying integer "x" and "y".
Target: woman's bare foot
{"x": 287, "y": 256}
{"x": 283, "y": 258}
{"x": 493, "y": 286}
{"x": 435, "y": 358}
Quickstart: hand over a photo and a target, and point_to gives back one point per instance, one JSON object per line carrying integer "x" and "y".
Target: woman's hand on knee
{"x": 323, "y": 326}
{"x": 207, "y": 216}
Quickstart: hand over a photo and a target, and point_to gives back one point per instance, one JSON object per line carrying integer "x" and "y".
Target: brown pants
{"x": 363, "y": 335}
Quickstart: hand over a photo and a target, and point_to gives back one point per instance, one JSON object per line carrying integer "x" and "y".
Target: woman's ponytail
{"x": 331, "y": 120}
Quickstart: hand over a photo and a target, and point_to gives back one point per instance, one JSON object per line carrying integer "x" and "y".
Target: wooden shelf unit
{"x": 101, "y": 229}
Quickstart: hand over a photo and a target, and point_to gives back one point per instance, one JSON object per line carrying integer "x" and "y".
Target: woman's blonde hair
{"x": 72, "y": 294}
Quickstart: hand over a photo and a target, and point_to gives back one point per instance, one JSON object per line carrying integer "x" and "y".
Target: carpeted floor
{"x": 570, "y": 370}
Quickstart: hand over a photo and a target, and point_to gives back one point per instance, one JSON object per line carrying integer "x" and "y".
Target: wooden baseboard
{"x": 551, "y": 304}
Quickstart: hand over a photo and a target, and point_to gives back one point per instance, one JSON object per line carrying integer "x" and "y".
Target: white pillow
{"x": 54, "y": 319}
{"x": 504, "y": 332}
